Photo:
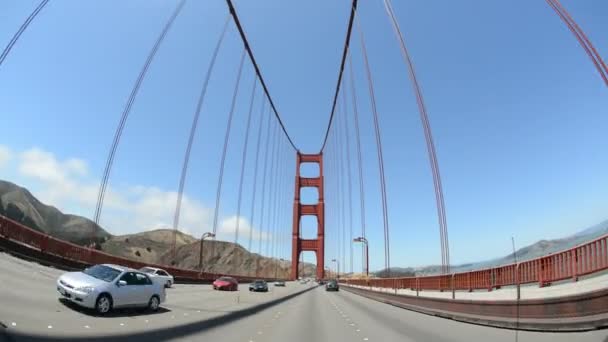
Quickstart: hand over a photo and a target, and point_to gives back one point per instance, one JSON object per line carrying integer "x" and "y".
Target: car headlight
{"x": 85, "y": 289}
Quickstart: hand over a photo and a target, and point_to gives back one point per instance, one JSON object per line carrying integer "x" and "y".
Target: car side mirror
{"x": 121, "y": 283}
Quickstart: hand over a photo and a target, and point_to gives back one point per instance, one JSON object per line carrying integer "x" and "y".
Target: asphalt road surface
{"x": 196, "y": 313}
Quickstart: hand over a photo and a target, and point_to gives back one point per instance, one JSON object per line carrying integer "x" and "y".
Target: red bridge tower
{"x": 316, "y": 245}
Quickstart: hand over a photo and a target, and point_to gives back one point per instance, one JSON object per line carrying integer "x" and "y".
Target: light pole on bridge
{"x": 364, "y": 240}
{"x": 200, "y": 259}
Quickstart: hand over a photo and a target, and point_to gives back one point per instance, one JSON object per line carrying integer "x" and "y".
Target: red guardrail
{"x": 581, "y": 260}
{"x": 15, "y": 231}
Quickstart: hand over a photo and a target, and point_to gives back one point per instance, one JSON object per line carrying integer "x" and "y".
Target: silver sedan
{"x": 104, "y": 287}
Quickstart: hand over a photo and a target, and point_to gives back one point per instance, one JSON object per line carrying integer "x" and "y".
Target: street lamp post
{"x": 364, "y": 240}
{"x": 200, "y": 258}
{"x": 338, "y": 267}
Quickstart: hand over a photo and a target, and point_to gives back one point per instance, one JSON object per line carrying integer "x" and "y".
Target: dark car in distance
{"x": 226, "y": 284}
{"x": 258, "y": 286}
{"x": 332, "y": 285}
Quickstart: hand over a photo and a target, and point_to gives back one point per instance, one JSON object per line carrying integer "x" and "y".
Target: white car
{"x": 159, "y": 274}
{"x": 105, "y": 287}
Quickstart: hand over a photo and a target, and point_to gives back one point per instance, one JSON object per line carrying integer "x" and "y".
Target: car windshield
{"x": 102, "y": 272}
{"x": 225, "y": 279}
{"x": 147, "y": 270}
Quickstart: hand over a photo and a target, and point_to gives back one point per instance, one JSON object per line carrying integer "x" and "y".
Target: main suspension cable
{"x": 257, "y": 71}
{"x": 349, "y": 29}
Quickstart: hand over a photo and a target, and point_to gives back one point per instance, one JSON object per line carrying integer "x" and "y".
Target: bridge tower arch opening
{"x": 299, "y": 244}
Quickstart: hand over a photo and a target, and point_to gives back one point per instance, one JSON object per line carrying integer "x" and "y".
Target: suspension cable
{"x": 193, "y": 128}
{"x": 429, "y": 140}
{"x": 359, "y": 159}
{"x": 581, "y": 37}
{"x": 244, "y": 161}
{"x": 19, "y": 32}
{"x": 353, "y": 11}
{"x": 268, "y": 151}
{"x": 225, "y": 148}
{"x": 349, "y": 29}
{"x": 348, "y": 178}
{"x": 272, "y": 193}
{"x": 257, "y": 71}
{"x": 127, "y": 110}
{"x": 372, "y": 96}
{"x": 255, "y": 170}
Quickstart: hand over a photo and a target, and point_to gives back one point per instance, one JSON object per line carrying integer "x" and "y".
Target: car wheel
{"x": 103, "y": 305}
{"x": 154, "y": 303}
{"x": 168, "y": 284}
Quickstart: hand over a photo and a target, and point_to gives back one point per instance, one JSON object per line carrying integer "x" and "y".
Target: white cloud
{"x": 68, "y": 185}
{"x": 5, "y": 156}
{"x": 227, "y": 229}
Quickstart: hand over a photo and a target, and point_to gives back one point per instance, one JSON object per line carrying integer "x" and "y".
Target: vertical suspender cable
{"x": 125, "y": 114}
{"x": 261, "y": 228}
{"x": 22, "y": 28}
{"x": 218, "y": 192}
{"x": 582, "y": 38}
{"x": 261, "y": 209}
{"x": 255, "y": 172}
{"x": 387, "y": 262}
{"x": 244, "y": 162}
{"x": 272, "y": 174}
{"x": 348, "y": 178}
{"x": 429, "y": 140}
{"x": 193, "y": 128}
{"x": 359, "y": 159}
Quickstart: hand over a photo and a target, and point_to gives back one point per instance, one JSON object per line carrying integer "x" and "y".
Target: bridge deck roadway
{"x": 28, "y": 298}
{"x": 528, "y": 291}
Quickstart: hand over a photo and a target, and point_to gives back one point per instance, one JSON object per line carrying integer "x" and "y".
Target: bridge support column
{"x": 298, "y": 244}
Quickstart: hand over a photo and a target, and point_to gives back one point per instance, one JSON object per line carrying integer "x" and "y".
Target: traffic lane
{"x": 62, "y": 318}
{"x": 387, "y": 322}
{"x": 31, "y": 304}
{"x": 307, "y": 317}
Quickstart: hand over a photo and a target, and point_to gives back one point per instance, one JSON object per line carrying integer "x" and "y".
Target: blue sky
{"x": 518, "y": 113}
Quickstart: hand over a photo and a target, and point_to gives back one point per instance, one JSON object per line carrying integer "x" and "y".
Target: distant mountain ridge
{"x": 20, "y": 205}
{"x": 535, "y": 250}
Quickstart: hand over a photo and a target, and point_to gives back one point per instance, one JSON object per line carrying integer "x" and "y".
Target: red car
{"x": 226, "y": 284}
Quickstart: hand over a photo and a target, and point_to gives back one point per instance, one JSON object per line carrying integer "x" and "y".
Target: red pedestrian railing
{"x": 49, "y": 245}
{"x": 581, "y": 260}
